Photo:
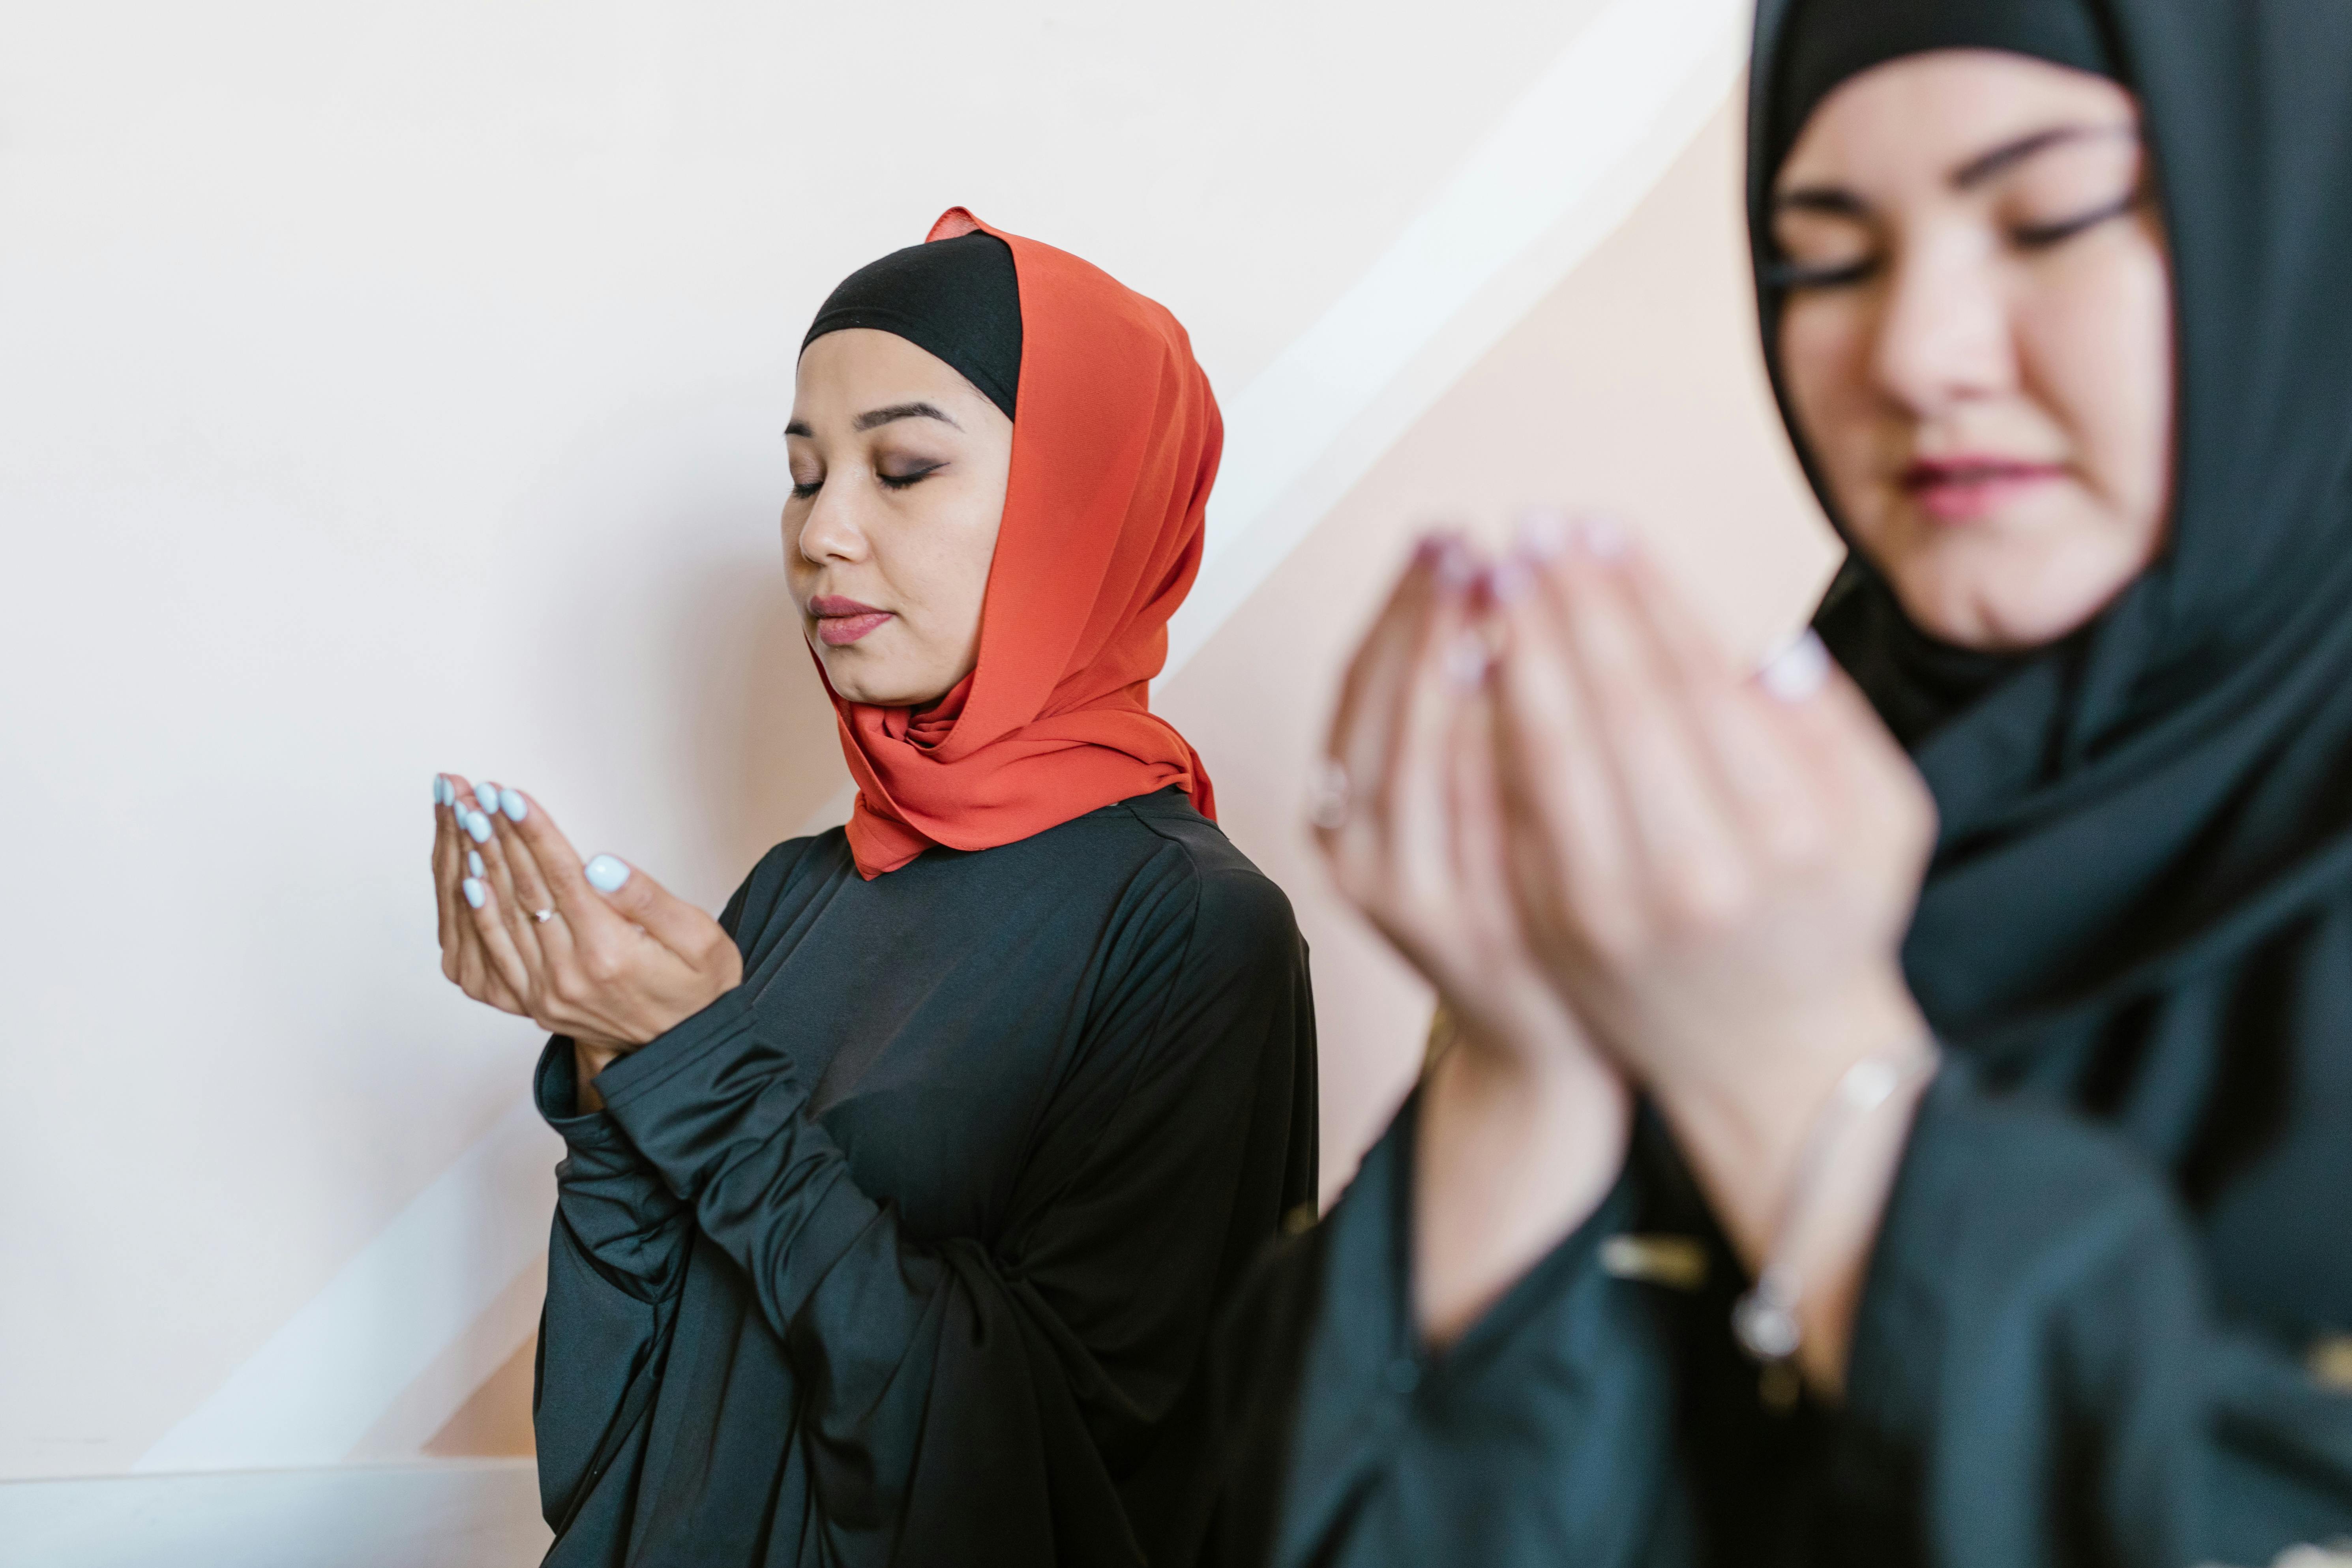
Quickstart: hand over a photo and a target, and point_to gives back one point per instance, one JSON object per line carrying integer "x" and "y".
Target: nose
{"x": 831, "y": 531}
{"x": 1943, "y": 333}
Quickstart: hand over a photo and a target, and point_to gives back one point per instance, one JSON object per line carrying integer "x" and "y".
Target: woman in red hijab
{"x": 896, "y": 1201}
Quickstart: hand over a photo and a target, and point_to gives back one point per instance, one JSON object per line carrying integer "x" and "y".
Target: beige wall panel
{"x": 1636, "y": 387}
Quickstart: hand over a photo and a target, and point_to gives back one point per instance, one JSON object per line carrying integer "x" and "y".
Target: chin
{"x": 2023, "y": 577}
{"x": 872, "y": 693}
{"x": 1992, "y": 616}
{"x": 865, "y": 688}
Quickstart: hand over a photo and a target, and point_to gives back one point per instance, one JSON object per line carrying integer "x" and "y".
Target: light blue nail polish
{"x": 513, "y": 804}
{"x": 487, "y": 797}
{"x": 478, "y": 826}
{"x": 606, "y": 874}
{"x": 473, "y": 862}
{"x": 440, "y": 790}
{"x": 474, "y": 891}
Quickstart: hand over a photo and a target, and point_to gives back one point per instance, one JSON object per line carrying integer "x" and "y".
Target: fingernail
{"x": 442, "y": 794}
{"x": 1796, "y": 669}
{"x": 1465, "y": 662}
{"x": 606, "y": 874}
{"x": 1426, "y": 552}
{"x": 1541, "y": 534}
{"x": 1456, "y": 567}
{"x": 485, "y": 796}
{"x": 474, "y": 891}
{"x": 473, "y": 862}
{"x": 512, "y": 804}
{"x": 478, "y": 826}
{"x": 1508, "y": 580}
{"x": 1603, "y": 536}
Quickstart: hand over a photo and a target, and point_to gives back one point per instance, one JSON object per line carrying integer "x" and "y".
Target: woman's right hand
{"x": 464, "y": 958}
{"x": 1415, "y": 838}
{"x": 1522, "y": 1126}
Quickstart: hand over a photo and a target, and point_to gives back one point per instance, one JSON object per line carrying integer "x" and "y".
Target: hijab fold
{"x": 1115, "y": 447}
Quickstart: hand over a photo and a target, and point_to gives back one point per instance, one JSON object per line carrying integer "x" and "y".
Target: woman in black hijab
{"x": 2034, "y": 1246}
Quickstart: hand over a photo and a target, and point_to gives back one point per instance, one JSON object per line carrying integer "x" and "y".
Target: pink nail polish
{"x": 1507, "y": 580}
{"x": 1603, "y": 536}
{"x": 1465, "y": 662}
{"x": 1796, "y": 669}
{"x": 1541, "y": 534}
{"x": 1456, "y": 567}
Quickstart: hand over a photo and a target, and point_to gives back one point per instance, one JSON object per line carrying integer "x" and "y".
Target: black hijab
{"x": 2143, "y": 825}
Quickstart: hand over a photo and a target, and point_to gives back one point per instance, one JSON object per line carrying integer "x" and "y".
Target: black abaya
{"x": 2106, "y": 1319}
{"x": 905, "y": 1249}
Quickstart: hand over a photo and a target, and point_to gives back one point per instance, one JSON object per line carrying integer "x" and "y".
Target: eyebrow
{"x": 2009, "y": 154}
{"x": 875, "y": 419}
{"x": 1838, "y": 202}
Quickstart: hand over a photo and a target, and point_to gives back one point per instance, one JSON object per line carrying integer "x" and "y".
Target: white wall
{"x": 392, "y": 388}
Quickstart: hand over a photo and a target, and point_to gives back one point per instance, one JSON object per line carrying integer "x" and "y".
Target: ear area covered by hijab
{"x": 2145, "y": 803}
{"x": 1115, "y": 448}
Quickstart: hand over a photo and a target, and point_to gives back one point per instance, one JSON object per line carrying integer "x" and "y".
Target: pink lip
{"x": 840, "y": 621}
{"x": 1972, "y": 485}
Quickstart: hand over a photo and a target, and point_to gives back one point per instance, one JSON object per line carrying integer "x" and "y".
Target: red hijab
{"x": 1114, "y": 448}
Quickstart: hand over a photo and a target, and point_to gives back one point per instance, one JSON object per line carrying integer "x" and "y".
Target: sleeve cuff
{"x": 671, "y": 1097}
{"x": 555, "y": 1087}
{"x": 2030, "y": 1275}
{"x": 1994, "y": 1196}
{"x": 607, "y": 1195}
{"x": 683, "y": 1051}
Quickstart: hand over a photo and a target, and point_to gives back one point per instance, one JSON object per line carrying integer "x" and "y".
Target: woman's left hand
{"x": 618, "y": 959}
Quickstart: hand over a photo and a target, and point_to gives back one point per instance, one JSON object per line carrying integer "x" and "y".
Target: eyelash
{"x": 890, "y": 481}
{"x": 2042, "y": 236}
{"x": 1788, "y": 277}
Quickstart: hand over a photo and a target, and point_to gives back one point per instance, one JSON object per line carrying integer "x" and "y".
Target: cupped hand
{"x": 601, "y": 953}
{"x": 1716, "y": 871}
{"x": 456, "y": 855}
{"x": 1418, "y": 848}
{"x": 1522, "y": 1126}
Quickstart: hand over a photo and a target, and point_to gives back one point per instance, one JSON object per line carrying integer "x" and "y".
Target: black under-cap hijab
{"x": 957, "y": 300}
{"x": 1831, "y": 41}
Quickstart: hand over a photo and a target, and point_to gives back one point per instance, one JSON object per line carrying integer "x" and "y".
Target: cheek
{"x": 2101, "y": 349}
{"x": 1824, "y": 363}
{"x": 942, "y": 547}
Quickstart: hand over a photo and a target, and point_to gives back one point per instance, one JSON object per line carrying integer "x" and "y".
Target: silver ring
{"x": 1329, "y": 796}
{"x": 543, "y": 916}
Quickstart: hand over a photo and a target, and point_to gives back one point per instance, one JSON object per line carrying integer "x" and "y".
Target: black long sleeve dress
{"x": 2040, "y": 1375}
{"x": 905, "y": 1250}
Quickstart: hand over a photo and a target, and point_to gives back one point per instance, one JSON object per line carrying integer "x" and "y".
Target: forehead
{"x": 869, "y": 368}
{"x": 1920, "y": 118}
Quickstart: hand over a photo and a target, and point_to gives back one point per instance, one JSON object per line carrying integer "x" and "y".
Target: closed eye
{"x": 1790, "y": 276}
{"x": 907, "y": 480}
{"x": 2042, "y": 236}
